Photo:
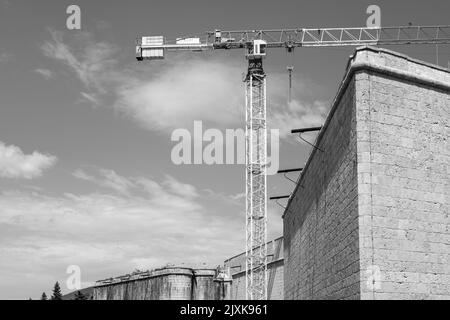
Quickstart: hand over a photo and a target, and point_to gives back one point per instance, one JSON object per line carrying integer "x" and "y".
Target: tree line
{"x": 57, "y": 295}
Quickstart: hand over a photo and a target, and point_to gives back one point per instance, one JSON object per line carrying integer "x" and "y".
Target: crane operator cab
{"x": 257, "y": 50}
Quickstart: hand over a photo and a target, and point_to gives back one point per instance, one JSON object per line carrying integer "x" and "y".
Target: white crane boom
{"x": 256, "y": 43}
{"x": 293, "y": 38}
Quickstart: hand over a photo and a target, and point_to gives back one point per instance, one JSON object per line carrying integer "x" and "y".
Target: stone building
{"x": 168, "y": 283}
{"x": 235, "y": 267}
{"x": 369, "y": 217}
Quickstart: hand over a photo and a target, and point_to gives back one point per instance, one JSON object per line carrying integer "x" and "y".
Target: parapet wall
{"x": 160, "y": 284}
{"x": 369, "y": 218}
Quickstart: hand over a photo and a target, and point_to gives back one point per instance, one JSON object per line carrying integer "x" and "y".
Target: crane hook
{"x": 290, "y": 70}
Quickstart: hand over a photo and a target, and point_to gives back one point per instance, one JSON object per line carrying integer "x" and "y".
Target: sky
{"x": 86, "y": 176}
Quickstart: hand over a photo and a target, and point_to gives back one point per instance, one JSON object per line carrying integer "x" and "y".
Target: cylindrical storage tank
{"x": 222, "y": 289}
{"x": 203, "y": 284}
{"x": 116, "y": 291}
{"x": 100, "y": 293}
{"x": 138, "y": 289}
{"x": 171, "y": 284}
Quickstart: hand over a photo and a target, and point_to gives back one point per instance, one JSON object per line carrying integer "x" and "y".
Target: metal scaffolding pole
{"x": 256, "y": 182}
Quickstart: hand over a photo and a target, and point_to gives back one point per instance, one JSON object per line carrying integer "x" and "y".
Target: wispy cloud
{"x": 90, "y": 97}
{"x": 5, "y": 57}
{"x": 92, "y": 64}
{"x": 179, "y": 188}
{"x": 47, "y": 74}
{"x": 109, "y": 179}
{"x": 172, "y": 94}
{"x": 297, "y": 114}
{"x": 238, "y": 196}
{"x": 15, "y": 164}
{"x": 6, "y": 4}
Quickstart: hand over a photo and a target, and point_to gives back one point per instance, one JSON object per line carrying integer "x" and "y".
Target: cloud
{"x": 238, "y": 196}
{"x": 47, "y": 74}
{"x": 183, "y": 92}
{"x": 182, "y": 189}
{"x": 109, "y": 179}
{"x": 109, "y": 234}
{"x": 298, "y": 115}
{"x": 6, "y": 4}
{"x": 92, "y": 64}
{"x": 15, "y": 164}
{"x": 5, "y": 57}
{"x": 90, "y": 98}
{"x": 172, "y": 94}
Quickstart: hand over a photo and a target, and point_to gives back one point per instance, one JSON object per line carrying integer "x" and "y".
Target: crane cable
{"x": 290, "y": 69}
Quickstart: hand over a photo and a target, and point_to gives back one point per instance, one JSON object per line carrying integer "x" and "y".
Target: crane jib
{"x": 292, "y": 38}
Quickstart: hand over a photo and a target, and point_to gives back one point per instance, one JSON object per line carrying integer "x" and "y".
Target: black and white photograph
{"x": 224, "y": 154}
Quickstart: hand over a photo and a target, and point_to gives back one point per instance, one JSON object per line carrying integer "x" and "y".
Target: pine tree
{"x": 80, "y": 296}
{"x": 44, "y": 296}
{"x": 57, "y": 292}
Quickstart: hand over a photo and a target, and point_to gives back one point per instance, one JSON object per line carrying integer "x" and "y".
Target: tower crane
{"x": 256, "y": 44}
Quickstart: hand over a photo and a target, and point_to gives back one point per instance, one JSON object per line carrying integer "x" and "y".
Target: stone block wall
{"x": 369, "y": 218}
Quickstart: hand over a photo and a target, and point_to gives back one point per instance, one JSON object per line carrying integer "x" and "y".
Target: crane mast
{"x": 256, "y": 178}
{"x": 256, "y": 43}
